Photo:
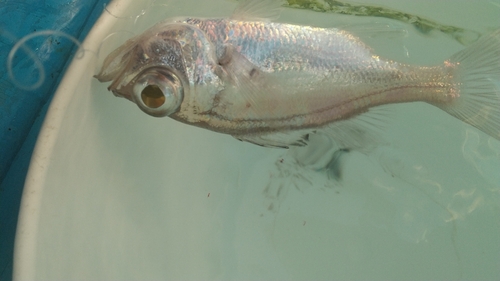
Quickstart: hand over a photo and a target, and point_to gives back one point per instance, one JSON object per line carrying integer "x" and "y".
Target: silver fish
{"x": 273, "y": 83}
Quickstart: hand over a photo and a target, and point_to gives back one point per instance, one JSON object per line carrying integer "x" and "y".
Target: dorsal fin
{"x": 261, "y": 10}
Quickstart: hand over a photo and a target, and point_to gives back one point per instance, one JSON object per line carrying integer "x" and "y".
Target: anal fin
{"x": 362, "y": 133}
{"x": 278, "y": 139}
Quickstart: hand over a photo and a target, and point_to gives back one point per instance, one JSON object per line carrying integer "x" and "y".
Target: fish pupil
{"x": 152, "y": 96}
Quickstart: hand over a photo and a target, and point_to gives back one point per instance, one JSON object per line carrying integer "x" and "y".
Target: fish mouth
{"x": 115, "y": 64}
{"x": 100, "y": 78}
{"x": 117, "y": 86}
{"x": 114, "y": 87}
{"x": 121, "y": 91}
{"x": 121, "y": 94}
{"x": 110, "y": 73}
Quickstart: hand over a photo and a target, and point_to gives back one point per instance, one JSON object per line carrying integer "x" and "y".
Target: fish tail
{"x": 477, "y": 71}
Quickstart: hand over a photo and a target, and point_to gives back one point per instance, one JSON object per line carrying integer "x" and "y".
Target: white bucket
{"x": 114, "y": 194}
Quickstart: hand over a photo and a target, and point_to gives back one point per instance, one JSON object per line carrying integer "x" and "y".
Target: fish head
{"x": 163, "y": 69}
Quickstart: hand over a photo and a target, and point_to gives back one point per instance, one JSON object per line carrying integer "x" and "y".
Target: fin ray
{"x": 479, "y": 76}
{"x": 363, "y": 132}
{"x": 278, "y": 139}
{"x": 262, "y": 10}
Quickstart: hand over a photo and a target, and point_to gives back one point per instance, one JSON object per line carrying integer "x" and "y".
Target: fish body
{"x": 274, "y": 83}
{"x": 283, "y": 76}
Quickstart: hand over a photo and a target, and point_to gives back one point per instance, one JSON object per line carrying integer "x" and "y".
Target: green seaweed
{"x": 423, "y": 25}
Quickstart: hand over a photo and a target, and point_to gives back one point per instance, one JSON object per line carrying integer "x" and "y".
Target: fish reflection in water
{"x": 276, "y": 84}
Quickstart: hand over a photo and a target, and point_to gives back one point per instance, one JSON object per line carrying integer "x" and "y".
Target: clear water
{"x": 131, "y": 197}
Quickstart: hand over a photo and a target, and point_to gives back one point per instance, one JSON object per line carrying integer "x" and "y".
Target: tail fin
{"x": 479, "y": 75}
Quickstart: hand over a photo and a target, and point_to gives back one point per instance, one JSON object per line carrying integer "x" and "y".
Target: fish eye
{"x": 152, "y": 96}
{"x": 158, "y": 92}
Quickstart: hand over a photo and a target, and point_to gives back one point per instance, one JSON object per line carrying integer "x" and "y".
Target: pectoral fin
{"x": 278, "y": 139}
